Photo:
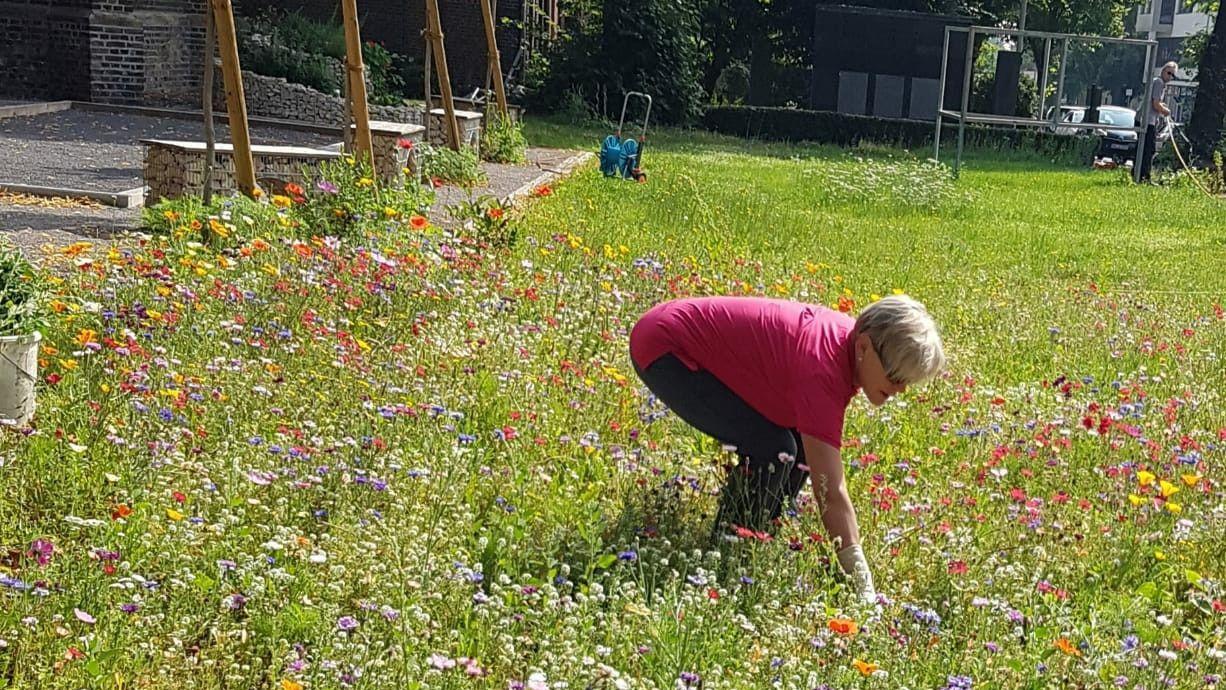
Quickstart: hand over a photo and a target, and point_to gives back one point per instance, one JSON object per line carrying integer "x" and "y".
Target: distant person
{"x": 1156, "y": 110}
{"x": 773, "y": 378}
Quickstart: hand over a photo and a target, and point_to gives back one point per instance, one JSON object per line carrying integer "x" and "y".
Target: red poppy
{"x": 957, "y": 567}
{"x": 494, "y": 213}
{"x": 418, "y": 222}
{"x": 121, "y": 511}
{"x": 294, "y": 190}
{"x": 179, "y": 496}
{"x": 543, "y": 190}
{"x": 406, "y": 144}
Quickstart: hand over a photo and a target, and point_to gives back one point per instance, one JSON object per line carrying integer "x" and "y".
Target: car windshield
{"x": 1116, "y": 118}
{"x": 1074, "y": 116}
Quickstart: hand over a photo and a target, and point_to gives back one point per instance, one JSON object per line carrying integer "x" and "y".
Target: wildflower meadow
{"x": 317, "y": 441}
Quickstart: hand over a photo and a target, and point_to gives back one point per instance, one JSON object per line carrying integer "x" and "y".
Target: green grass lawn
{"x": 408, "y": 460}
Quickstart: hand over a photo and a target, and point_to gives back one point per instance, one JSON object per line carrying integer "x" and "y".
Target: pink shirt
{"x": 791, "y": 361}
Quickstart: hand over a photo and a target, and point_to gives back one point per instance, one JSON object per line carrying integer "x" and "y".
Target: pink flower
{"x": 41, "y": 551}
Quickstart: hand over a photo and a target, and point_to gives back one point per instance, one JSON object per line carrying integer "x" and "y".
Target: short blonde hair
{"x": 905, "y": 337}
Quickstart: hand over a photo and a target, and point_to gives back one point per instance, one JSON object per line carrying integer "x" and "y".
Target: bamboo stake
{"x": 435, "y": 27}
{"x": 236, "y": 105}
{"x": 356, "y": 75}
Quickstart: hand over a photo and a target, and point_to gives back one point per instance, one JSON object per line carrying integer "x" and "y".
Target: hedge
{"x": 792, "y": 124}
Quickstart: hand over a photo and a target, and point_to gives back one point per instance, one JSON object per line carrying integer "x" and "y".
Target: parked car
{"x": 1117, "y": 145}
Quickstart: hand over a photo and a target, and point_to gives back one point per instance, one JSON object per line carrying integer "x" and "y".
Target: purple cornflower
{"x": 346, "y": 623}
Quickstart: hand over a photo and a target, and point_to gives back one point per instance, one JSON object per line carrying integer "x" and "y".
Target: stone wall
{"x": 176, "y": 169}
{"x": 277, "y": 98}
{"x": 109, "y": 51}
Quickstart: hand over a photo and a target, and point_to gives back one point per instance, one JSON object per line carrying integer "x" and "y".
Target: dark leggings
{"x": 758, "y": 488}
{"x": 1151, "y": 148}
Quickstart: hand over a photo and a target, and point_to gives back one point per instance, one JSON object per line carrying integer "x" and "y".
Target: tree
{"x": 1209, "y": 111}
{"x": 613, "y": 46}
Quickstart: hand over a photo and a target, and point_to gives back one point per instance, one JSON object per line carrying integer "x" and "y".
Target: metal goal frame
{"x": 963, "y": 115}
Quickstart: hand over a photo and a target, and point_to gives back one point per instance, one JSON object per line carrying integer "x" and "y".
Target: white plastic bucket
{"x": 18, "y": 373}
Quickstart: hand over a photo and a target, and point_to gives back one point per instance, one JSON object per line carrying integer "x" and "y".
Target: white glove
{"x": 851, "y": 560}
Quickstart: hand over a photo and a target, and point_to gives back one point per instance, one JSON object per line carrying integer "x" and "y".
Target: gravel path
{"x": 98, "y": 151}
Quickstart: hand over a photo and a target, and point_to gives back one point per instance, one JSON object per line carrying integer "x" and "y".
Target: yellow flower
{"x": 1168, "y": 488}
{"x": 86, "y": 336}
{"x": 1136, "y": 500}
{"x": 218, "y": 228}
{"x": 257, "y": 192}
{"x": 390, "y": 212}
{"x": 866, "y": 668}
{"x": 171, "y": 216}
{"x": 365, "y": 182}
{"x": 174, "y": 514}
{"x": 281, "y": 201}
{"x": 287, "y": 684}
{"x": 1173, "y": 507}
{"x": 1146, "y": 478}
{"x": 1190, "y": 479}
{"x": 1159, "y": 555}
{"x": 68, "y": 364}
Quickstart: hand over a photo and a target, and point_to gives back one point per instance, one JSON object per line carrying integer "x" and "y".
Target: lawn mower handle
{"x": 647, "y": 116}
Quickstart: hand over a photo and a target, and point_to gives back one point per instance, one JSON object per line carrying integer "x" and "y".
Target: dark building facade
{"x": 107, "y": 51}
{"x": 886, "y": 63}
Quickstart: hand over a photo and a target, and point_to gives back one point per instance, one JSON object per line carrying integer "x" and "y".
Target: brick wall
{"x": 111, "y": 51}
{"x": 44, "y": 49}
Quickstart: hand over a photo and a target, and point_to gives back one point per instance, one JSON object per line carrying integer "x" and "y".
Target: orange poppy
{"x": 843, "y": 626}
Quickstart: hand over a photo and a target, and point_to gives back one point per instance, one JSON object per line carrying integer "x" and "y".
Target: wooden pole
{"x": 356, "y": 74}
{"x": 435, "y": 27}
{"x": 210, "y": 136}
{"x": 236, "y": 105}
{"x": 495, "y": 60}
{"x": 429, "y": 98}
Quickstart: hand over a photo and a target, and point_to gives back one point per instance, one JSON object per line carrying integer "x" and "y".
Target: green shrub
{"x": 502, "y": 140}
{"x": 383, "y": 72}
{"x": 486, "y": 220}
{"x": 791, "y": 124}
{"x": 308, "y": 52}
{"x": 652, "y": 46}
{"x": 22, "y": 294}
{"x": 462, "y": 168}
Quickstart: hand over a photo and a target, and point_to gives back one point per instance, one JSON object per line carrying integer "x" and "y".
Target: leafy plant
{"x": 345, "y": 200}
{"x": 443, "y": 165}
{"x": 487, "y": 220}
{"x": 22, "y": 294}
{"x": 502, "y": 140}
{"x": 383, "y": 72}
{"x": 308, "y": 52}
